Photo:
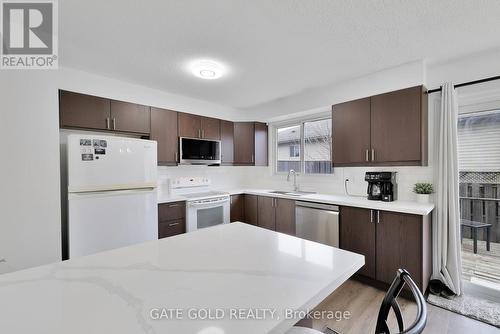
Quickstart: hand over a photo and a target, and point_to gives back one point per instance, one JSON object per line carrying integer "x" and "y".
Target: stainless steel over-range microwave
{"x": 195, "y": 151}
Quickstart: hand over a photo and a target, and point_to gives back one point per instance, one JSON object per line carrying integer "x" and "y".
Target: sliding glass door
{"x": 479, "y": 166}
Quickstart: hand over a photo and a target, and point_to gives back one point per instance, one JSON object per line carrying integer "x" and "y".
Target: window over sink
{"x": 305, "y": 147}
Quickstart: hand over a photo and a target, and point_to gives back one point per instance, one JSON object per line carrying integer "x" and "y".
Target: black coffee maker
{"x": 381, "y": 186}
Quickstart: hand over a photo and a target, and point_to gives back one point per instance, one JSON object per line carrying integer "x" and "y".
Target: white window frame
{"x": 297, "y": 122}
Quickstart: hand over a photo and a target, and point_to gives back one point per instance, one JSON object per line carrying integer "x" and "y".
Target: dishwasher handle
{"x": 319, "y": 206}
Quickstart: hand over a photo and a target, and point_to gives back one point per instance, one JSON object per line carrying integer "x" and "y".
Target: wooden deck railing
{"x": 481, "y": 203}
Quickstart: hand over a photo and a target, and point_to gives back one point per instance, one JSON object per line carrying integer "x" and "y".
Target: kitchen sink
{"x": 291, "y": 193}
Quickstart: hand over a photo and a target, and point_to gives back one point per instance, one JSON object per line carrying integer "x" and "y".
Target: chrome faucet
{"x": 295, "y": 186}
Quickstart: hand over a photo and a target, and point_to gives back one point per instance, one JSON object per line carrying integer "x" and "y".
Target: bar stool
{"x": 418, "y": 325}
{"x": 402, "y": 278}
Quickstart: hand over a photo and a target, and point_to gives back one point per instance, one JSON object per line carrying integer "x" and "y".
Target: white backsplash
{"x": 232, "y": 177}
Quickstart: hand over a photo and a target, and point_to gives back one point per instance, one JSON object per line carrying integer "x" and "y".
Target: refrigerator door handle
{"x": 82, "y": 194}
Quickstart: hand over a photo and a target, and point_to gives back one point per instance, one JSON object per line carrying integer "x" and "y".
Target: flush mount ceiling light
{"x": 207, "y": 69}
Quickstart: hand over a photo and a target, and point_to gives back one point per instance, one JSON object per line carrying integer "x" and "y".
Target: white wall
{"x": 473, "y": 67}
{"x": 30, "y": 213}
{"x": 29, "y": 200}
{"x": 321, "y": 99}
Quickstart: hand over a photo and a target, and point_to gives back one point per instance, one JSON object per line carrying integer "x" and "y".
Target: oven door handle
{"x": 209, "y": 203}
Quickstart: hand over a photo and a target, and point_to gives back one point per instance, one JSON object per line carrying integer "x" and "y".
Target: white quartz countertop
{"x": 355, "y": 201}
{"x": 227, "y": 267}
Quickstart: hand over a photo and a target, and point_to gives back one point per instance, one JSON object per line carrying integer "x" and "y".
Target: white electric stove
{"x": 204, "y": 207}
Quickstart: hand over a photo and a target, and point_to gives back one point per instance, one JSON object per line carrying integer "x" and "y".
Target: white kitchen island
{"x": 238, "y": 273}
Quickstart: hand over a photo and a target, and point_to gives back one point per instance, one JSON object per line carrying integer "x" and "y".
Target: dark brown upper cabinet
{"x": 84, "y": 111}
{"x": 189, "y": 125}
{"x": 227, "y": 142}
{"x": 244, "y": 143}
{"x": 210, "y": 128}
{"x": 130, "y": 117}
{"x": 91, "y": 112}
{"x": 195, "y": 126}
{"x": 399, "y": 127}
{"x": 250, "y": 144}
{"x": 382, "y": 130}
{"x": 164, "y": 131}
{"x": 351, "y": 132}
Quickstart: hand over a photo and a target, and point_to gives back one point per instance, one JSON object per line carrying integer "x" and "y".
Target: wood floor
{"x": 483, "y": 266}
{"x": 363, "y": 302}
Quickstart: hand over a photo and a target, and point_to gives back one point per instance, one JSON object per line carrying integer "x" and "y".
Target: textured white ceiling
{"x": 274, "y": 48}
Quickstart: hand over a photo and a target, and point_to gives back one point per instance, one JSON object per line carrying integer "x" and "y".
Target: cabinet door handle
{"x": 373, "y": 154}
{"x": 199, "y": 133}
{"x": 202, "y": 133}
{"x": 378, "y": 216}
{"x": 371, "y": 216}
{"x": 114, "y": 123}
{"x": 173, "y": 205}
{"x": 175, "y": 156}
{"x": 173, "y": 224}
{"x": 366, "y": 155}
{"x": 253, "y": 158}
{"x": 107, "y": 123}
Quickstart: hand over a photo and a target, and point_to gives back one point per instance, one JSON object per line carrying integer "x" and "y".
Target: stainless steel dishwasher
{"x": 317, "y": 222}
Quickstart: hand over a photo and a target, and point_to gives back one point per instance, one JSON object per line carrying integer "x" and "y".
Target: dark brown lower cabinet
{"x": 357, "y": 234}
{"x": 285, "y": 216}
{"x": 171, "y": 219}
{"x": 399, "y": 245}
{"x": 266, "y": 215}
{"x": 251, "y": 209}
{"x": 237, "y": 208}
{"x": 275, "y": 214}
{"x": 389, "y": 241}
{"x": 171, "y": 227}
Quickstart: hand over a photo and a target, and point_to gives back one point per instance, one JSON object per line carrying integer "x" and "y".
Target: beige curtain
{"x": 447, "y": 257}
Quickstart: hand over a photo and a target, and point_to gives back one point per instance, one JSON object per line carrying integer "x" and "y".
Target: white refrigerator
{"x": 112, "y": 199}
